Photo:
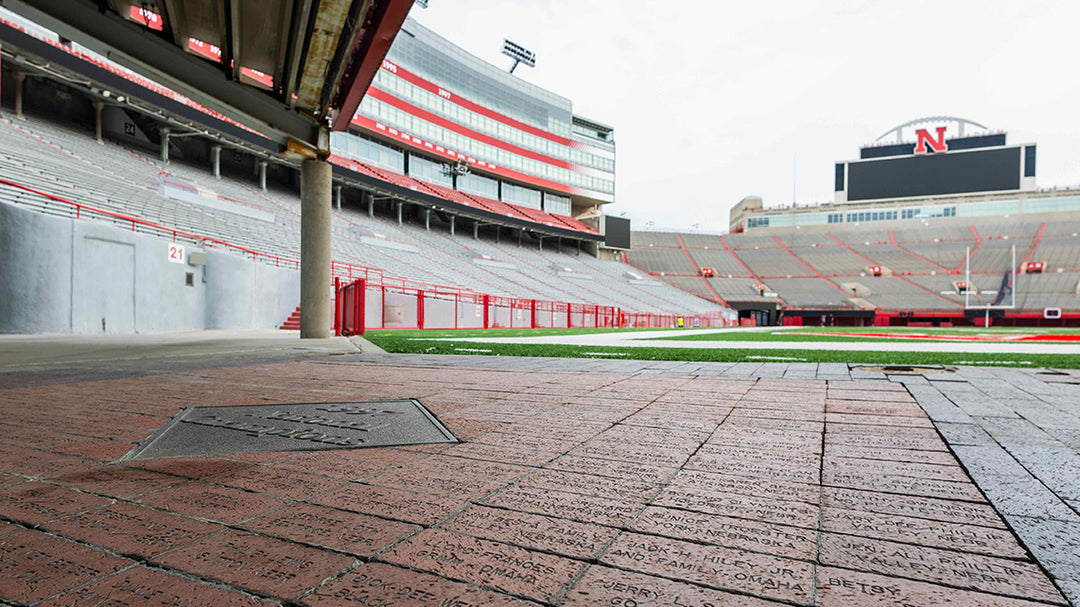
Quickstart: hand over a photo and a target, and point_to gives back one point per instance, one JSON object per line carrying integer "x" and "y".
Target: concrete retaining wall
{"x": 62, "y": 275}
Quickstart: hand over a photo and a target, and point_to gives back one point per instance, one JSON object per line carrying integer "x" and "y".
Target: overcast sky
{"x": 713, "y": 101}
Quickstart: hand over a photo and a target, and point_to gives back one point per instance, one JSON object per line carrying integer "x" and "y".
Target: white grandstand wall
{"x": 60, "y": 275}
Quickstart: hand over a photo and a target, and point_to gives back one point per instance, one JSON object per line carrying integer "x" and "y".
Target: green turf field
{"x": 428, "y": 342}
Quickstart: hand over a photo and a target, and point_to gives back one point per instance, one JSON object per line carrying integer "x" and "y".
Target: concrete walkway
{"x": 1018, "y": 435}
{"x": 619, "y": 483}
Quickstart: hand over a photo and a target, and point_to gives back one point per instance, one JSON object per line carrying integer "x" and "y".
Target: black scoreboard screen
{"x": 986, "y": 170}
{"x": 617, "y": 232}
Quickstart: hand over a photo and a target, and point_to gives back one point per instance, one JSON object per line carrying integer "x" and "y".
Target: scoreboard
{"x": 936, "y": 168}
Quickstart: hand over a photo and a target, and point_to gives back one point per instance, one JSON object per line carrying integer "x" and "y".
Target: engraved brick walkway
{"x": 625, "y": 488}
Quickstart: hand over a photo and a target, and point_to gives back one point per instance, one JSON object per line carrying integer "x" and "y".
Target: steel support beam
{"x": 452, "y": 225}
{"x": 372, "y": 48}
{"x": 337, "y": 197}
{"x": 162, "y": 61}
{"x": 262, "y": 174}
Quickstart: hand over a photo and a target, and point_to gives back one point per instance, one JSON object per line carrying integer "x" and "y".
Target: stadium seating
{"x": 67, "y": 162}
{"x": 921, "y": 264}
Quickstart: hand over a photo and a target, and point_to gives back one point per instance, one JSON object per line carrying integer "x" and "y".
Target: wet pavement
{"x": 577, "y": 483}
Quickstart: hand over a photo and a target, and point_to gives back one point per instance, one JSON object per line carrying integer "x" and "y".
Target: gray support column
{"x": 476, "y": 230}
{"x": 315, "y": 192}
{"x": 337, "y": 197}
{"x": 165, "y": 132}
{"x": 541, "y": 243}
{"x": 452, "y": 225}
{"x": 521, "y": 233}
{"x": 215, "y": 161}
{"x": 370, "y": 204}
{"x": 19, "y": 78}
{"x": 498, "y": 233}
{"x": 262, "y": 174}
{"x": 399, "y": 207}
{"x": 427, "y": 219}
{"x": 578, "y": 248}
{"x": 98, "y": 106}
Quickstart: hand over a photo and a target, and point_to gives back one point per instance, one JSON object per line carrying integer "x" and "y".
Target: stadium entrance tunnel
{"x": 827, "y": 317}
{"x": 757, "y": 313}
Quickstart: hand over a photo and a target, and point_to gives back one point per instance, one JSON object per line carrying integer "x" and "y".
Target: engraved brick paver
{"x": 35, "y": 503}
{"x": 258, "y": 563}
{"x": 396, "y": 504}
{"x": 774, "y": 489}
{"x": 128, "y": 528}
{"x": 578, "y": 540}
{"x": 970, "y": 571}
{"x": 761, "y": 575}
{"x": 280, "y": 483}
{"x": 223, "y": 504}
{"x": 117, "y": 481}
{"x": 606, "y": 586}
{"x": 799, "y": 514}
{"x": 737, "y": 533}
{"x": 588, "y": 484}
{"x": 508, "y": 568}
{"x": 917, "y": 506}
{"x": 381, "y": 584}
{"x": 647, "y": 483}
{"x": 925, "y": 532}
{"x": 842, "y": 587}
{"x": 573, "y": 506}
{"x": 345, "y": 531}
{"x": 34, "y": 566}
{"x": 141, "y": 586}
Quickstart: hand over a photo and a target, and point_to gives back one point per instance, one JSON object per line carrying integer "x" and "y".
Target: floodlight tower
{"x": 519, "y": 54}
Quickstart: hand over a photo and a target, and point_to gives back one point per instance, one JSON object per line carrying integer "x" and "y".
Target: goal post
{"x": 1011, "y": 284}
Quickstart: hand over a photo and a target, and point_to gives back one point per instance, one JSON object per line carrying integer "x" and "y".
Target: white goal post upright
{"x": 967, "y": 289}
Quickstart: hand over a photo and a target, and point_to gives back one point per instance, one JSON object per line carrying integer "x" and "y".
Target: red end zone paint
{"x": 976, "y": 338}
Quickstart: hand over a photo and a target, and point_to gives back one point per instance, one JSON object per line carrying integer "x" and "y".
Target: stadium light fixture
{"x": 421, "y": 3}
{"x": 519, "y": 54}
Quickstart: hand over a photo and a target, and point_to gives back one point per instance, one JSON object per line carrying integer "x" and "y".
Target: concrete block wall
{"x": 60, "y": 275}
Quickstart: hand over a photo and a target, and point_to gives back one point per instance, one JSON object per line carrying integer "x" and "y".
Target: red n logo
{"x": 924, "y": 138}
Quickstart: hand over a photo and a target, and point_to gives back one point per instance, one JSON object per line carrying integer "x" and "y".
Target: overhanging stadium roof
{"x": 291, "y": 69}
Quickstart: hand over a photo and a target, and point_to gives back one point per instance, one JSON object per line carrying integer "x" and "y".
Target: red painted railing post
{"x": 569, "y": 317}
{"x": 360, "y": 297}
{"x": 419, "y": 309}
{"x": 533, "y": 314}
{"x": 338, "y": 306}
{"x": 596, "y": 322}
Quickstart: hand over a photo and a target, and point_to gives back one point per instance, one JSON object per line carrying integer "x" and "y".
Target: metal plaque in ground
{"x": 205, "y": 431}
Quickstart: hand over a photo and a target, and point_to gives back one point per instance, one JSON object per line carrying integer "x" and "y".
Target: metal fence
{"x": 361, "y": 305}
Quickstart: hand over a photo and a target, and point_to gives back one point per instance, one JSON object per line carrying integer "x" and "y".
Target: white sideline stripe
{"x": 633, "y": 340}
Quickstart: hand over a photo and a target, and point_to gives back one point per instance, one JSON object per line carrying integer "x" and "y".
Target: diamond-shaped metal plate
{"x": 206, "y": 431}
